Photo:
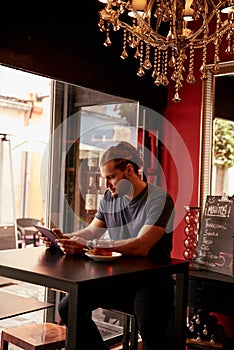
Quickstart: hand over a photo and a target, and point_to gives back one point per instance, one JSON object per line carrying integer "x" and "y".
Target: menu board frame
{"x": 216, "y": 236}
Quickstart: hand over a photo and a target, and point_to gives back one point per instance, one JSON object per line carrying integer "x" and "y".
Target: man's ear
{"x": 129, "y": 168}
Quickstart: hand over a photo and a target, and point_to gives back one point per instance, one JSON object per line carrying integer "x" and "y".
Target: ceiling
{"x": 70, "y": 30}
{"x": 70, "y": 34}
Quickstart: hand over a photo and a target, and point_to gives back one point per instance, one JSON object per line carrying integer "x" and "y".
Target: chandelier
{"x": 165, "y": 34}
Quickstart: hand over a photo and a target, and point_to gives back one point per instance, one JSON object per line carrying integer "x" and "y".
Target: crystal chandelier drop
{"x": 166, "y": 33}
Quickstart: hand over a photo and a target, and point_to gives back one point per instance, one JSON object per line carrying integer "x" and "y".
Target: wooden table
{"x": 73, "y": 274}
{"x": 14, "y": 305}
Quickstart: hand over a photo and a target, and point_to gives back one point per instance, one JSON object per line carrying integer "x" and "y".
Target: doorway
{"x": 25, "y": 112}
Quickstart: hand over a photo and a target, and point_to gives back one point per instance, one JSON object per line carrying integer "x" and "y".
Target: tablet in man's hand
{"x": 50, "y": 235}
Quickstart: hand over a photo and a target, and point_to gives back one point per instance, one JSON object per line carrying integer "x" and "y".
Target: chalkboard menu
{"x": 215, "y": 243}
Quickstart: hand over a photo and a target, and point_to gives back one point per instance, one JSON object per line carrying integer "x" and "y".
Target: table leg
{"x": 181, "y": 295}
{"x": 73, "y": 320}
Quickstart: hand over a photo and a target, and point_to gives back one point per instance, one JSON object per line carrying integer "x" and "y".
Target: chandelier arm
{"x": 178, "y": 7}
{"x": 211, "y": 2}
{"x": 149, "y": 14}
{"x": 213, "y": 36}
{"x": 214, "y": 11}
{"x": 206, "y": 20}
{"x": 197, "y": 42}
{"x": 154, "y": 35}
{"x": 149, "y": 39}
{"x": 148, "y": 11}
{"x": 144, "y": 19}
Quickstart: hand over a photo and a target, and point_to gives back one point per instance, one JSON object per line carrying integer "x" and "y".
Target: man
{"x": 139, "y": 217}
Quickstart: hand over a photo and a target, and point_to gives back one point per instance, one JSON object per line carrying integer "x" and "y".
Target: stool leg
{"x": 4, "y": 343}
{"x": 126, "y": 332}
{"x": 134, "y": 334}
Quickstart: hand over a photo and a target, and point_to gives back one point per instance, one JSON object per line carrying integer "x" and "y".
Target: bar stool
{"x": 38, "y": 336}
{"x": 130, "y": 335}
{"x": 130, "y": 329}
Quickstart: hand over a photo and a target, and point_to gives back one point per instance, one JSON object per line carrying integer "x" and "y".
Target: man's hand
{"x": 71, "y": 247}
{"x": 45, "y": 240}
{"x": 58, "y": 233}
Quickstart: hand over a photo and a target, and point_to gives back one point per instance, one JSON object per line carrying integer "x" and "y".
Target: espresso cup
{"x": 103, "y": 247}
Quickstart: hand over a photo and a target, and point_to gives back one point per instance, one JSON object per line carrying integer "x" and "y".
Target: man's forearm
{"x": 86, "y": 234}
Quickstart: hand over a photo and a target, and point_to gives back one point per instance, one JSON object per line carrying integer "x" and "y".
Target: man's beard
{"x": 123, "y": 187}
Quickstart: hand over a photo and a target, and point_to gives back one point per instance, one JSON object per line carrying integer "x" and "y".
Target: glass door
{"x": 86, "y": 122}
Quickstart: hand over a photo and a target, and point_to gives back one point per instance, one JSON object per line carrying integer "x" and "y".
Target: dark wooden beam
{"x": 67, "y": 45}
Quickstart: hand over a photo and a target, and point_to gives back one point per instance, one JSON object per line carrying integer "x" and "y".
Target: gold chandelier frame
{"x": 165, "y": 32}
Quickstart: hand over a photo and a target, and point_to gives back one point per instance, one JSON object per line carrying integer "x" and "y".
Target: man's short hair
{"x": 122, "y": 154}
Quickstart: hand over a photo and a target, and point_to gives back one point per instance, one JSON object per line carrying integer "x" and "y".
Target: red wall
{"x": 185, "y": 116}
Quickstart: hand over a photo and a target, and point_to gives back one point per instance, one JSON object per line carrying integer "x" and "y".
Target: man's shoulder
{"x": 158, "y": 192}
{"x": 157, "y": 189}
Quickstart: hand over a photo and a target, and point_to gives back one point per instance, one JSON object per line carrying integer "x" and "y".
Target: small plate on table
{"x": 103, "y": 258}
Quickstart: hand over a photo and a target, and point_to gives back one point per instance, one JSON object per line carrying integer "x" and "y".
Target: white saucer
{"x": 114, "y": 255}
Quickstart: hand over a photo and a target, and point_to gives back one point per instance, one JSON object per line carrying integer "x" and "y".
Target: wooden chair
{"x": 38, "y": 336}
